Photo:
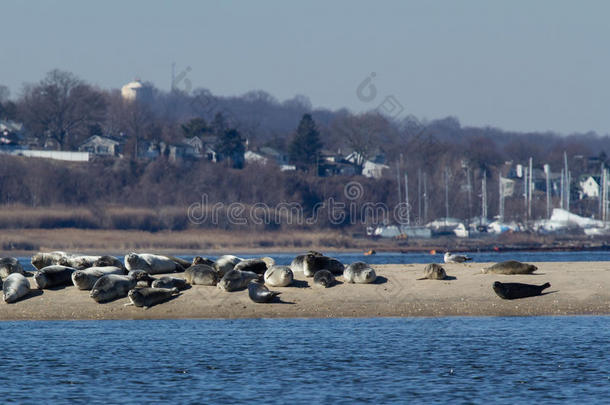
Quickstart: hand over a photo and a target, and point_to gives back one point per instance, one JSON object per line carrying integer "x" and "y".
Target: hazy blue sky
{"x": 522, "y": 65}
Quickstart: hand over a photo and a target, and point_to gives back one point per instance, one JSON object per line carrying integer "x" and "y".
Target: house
{"x": 101, "y": 146}
{"x": 373, "y": 170}
{"x": 271, "y": 153}
{"x": 10, "y": 133}
{"x": 589, "y": 187}
{"x": 327, "y": 168}
{"x": 253, "y": 157}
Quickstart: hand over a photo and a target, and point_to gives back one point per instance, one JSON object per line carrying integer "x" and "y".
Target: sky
{"x": 516, "y": 65}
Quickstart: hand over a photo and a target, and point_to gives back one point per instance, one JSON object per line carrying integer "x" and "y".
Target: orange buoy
{"x": 433, "y": 252}
{"x": 369, "y": 252}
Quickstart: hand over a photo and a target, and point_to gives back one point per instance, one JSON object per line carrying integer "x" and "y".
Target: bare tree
{"x": 61, "y": 107}
{"x": 362, "y": 133}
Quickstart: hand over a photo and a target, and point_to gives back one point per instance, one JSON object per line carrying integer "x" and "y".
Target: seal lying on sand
{"x": 226, "y": 263}
{"x": 511, "y": 291}
{"x": 105, "y": 261}
{"x": 314, "y": 263}
{"x": 53, "y": 276}
{"x": 261, "y": 294}
{"x": 236, "y": 280}
{"x": 434, "y": 271}
{"x": 85, "y": 279}
{"x": 279, "y": 276}
{"x": 323, "y": 278}
{"x": 258, "y": 266}
{"x": 298, "y": 263}
{"x": 15, "y": 286}
{"x": 40, "y": 260}
{"x": 79, "y": 262}
{"x": 152, "y": 264}
{"x": 359, "y": 273}
{"x": 143, "y": 279}
{"x": 510, "y": 267}
{"x": 170, "y": 282}
{"x": 111, "y": 287}
{"x": 10, "y": 265}
{"x": 203, "y": 260}
{"x": 148, "y": 297}
{"x": 201, "y": 274}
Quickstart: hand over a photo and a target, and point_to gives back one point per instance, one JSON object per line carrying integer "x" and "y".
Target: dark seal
{"x": 511, "y": 291}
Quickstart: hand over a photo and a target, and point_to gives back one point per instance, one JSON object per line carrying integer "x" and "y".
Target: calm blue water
{"x": 406, "y": 258}
{"x": 459, "y": 360}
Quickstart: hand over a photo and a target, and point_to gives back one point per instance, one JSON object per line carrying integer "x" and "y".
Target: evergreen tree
{"x": 231, "y": 147}
{"x": 306, "y": 144}
{"x": 219, "y": 125}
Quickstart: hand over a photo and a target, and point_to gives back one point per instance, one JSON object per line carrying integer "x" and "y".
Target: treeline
{"x": 441, "y": 157}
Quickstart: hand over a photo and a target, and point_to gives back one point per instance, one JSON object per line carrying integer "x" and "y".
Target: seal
{"x": 258, "y": 266}
{"x": 298, "y": 263}
{"x": 10, "y": 265}
{"x": 451, "y": 258}
{"x": 201, "y": 274}
{"x": 279, "y": 276}
{"x": 111, "y": 287}
{"x": 359, "y": 273}
{"x": 40, "y": 259}
{"x": 85, "y": 279}
{"x": 315, "y": 263}
{"x": 203, "y": 260}
{"x": 15, "y": 287}
{"x": 236, "y": 280}
{"x": 152, "y": 264}
{"x": 323, "y": 278}
{"x": 53, "y": 276}
{"x": 261, "y": 294}
{"x": 226, "y": 263}
{"x": 148, "y": 297}
{"x": 170, "y": 282}
{"x": 434, "y": 271}
{"x": 143, "y": 279}
{"x": 510, "y": 267}
{"x": 79, "y": 262}
{"x": 106, "y": 261}
{"x": 184, "y": 264}
{"x": 511, "y": 291}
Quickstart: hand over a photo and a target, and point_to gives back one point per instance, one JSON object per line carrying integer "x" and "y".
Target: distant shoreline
{"x": 577, "y": 288}
{"x": 23, "y": 242}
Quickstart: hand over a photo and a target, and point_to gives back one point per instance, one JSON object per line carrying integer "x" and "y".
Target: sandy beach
{"x": 577, "y": 288}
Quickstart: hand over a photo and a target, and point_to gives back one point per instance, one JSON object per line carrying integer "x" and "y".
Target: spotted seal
{"x": 323, "y": 278}
{"x": 279, "y": 276}
{"x": 10, "y": 265}
{"x": 85, "y": 279}
{"x": 143, "y": 279}
{"x": 15, "y": 287}
{"x": 170, "y": 282}
{"x": 106, "y": 261}
{"x": 298, "y": 263}
{"x": 226, "y": 263}
{"x": 43, "y": 259}
{"x": 258, "y": 266}
{"x": 434, "y": 271}
{"x": 53, "y": 276}
{"x": 510, "y": 267}
{"x": 203, "y": 260}
{"x": 359, "y": 273}
{"x": 261, "y": 294}
{"x": 148, "y": 297}
{"x": 201, "y": 274}
{"x": 151, "y": 263}
{"x": 511, "y": 291}
{"x": 314, "y": 263}
{"x": 236, "y": 280}
{"x": 111, "y": 287}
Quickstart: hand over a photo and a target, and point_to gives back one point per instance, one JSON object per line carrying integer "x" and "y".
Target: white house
{"x": 100, "y": 145}
{"x": 589, "y": 187}
{"x": 374, "y": 170}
